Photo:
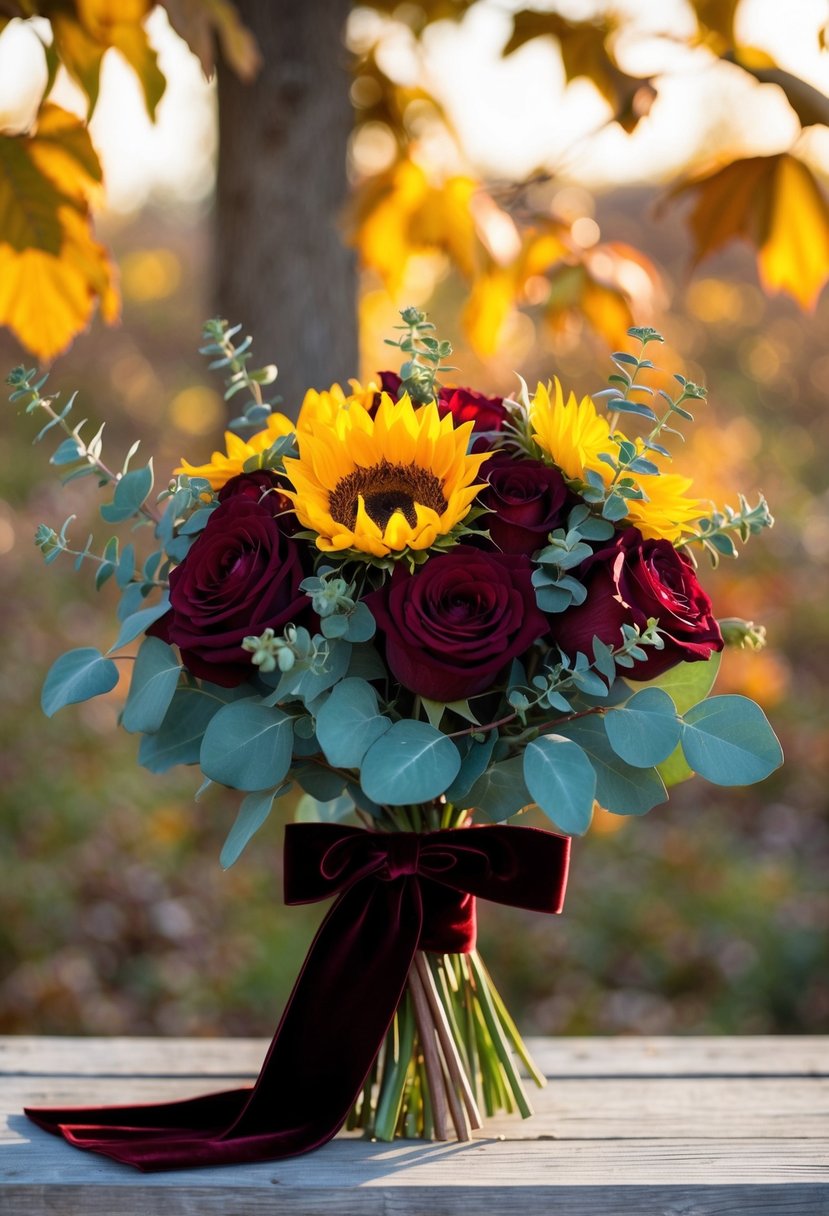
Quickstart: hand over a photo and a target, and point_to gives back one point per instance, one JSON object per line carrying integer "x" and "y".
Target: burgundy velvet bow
{"x": 396, "y": 893}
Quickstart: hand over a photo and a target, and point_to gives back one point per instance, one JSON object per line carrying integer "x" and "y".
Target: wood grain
{"x": 686, "y": 1127}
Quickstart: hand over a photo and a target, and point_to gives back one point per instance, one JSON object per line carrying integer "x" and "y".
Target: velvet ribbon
{"x": 396, "y": 892}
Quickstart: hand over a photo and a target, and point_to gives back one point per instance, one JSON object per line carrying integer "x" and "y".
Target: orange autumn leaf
{"x": 776, "y": 204}
{"x": 52, "y": 271}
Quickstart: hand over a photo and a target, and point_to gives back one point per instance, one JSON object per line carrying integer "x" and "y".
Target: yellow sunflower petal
{"x": 382, "y": 484}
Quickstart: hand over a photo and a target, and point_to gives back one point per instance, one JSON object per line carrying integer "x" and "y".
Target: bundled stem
{"x": 451, "y": 1049}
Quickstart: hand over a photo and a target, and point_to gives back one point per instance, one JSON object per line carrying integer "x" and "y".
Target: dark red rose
{"x": 451, "y": 627}
{"x": 464, "y": 404}
{"x": 527, "y": 499}
{"x": 266, "y": 486}
{"x": 629, "y": 580}
{"x": 240, "y": 576}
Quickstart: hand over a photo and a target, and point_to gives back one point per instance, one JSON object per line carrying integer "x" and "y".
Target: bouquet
{"x": 411, "y": 616}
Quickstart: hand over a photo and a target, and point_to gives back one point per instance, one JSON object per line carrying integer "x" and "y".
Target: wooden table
{"x": 625, "y": 1127}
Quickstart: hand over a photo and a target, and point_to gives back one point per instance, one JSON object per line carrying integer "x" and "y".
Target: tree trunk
{"x": 283, "y": 270}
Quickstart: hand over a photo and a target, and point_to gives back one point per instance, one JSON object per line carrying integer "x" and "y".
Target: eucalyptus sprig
{"x": 420, "y": 371}
{"x": 593, "y": 677}
{"x": 218, "y": 344}
{"x": 717, "y": 530}
{"x": 82, "y": 458}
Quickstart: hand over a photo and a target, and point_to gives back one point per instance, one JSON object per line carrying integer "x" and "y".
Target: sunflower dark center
{"x": 386, "y": 488}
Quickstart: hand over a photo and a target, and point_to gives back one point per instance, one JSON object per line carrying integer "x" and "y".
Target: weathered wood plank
{"x": 691, "y": 1056}
{"x": 630, "y": 1127}
{"x": 575, "y": 1108}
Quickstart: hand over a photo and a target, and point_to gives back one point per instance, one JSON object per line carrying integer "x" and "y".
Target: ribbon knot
{"x": 402, "y": 855}
{"x": 396, "y": 893}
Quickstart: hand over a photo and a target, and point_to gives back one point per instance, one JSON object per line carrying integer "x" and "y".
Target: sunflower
{"x": 224, "y": 465}
{"x": 571, "y": 432}
{"x": 321, "y": 409}
{"x": 380, "y": 485}
{"x": 667, "y": 514}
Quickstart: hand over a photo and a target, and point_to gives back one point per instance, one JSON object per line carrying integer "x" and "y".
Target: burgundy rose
{"x": 265, "y": 486}
{"x": 527, "y": 501}
{"x": 629, "y": 580}
{"x": 452, "y": 626}
{"x": 464, "y": 404}
{"x": 241, "y": 576}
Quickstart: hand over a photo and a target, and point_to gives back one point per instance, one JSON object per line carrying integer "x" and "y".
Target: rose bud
{"x": 451, "y": 627}
{"x": 628, "y": 581}
{"x": 464, "y": 404}
{"x": 241, "y": 576}
{"x": 265, "y": 486}
{"x": 527, "y": 501}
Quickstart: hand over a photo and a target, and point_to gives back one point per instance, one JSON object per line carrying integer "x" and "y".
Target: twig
{"x": 457, "y": 1072}
{"x": 431, "y": 1058}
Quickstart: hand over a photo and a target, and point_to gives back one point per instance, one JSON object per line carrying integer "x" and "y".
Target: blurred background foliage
{"x": 708, "y": 916}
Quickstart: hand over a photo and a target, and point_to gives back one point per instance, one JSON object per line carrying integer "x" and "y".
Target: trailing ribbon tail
{"x": 396, "y": 892}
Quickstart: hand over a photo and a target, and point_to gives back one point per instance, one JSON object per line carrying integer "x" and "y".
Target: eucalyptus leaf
{"x": 620, "y": 787}
{"x": 562, "y": 781}
{"x": 473, "y": 764}
{"x": 130, "y": 492}
{"x": 139, "y": 622}
{"x": 178, "y": 740}
{"x": 155, "y": 677}
{"x": 77, "y": 676}
{"x": 247, "y": 745}
{"x": 728, "y": 740}
{"x": 645, "y": 730}
{"x": 500, "y": 791}
{"x": 252, "y": 814}
{"x": 411, "y": 763}
{"x": 349, "y": 722}
{"x": 686, "y": 684}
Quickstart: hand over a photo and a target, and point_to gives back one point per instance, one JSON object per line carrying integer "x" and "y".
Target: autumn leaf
{"x": 402, "y": 212}
{"x": 776, "y": 204}
{"x": 809, "y": 104}
{"x": 85, "y": 30}
{"x": 202, "y": 22}
{"x": 52, "y": 271}
{"x": 584, "y": 52}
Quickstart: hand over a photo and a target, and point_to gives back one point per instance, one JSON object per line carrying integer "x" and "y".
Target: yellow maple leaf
{"x": 52, "y": 271}
{"x": 776, "y": 204}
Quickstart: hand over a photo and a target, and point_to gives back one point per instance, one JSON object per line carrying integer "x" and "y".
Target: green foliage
{"x": 620, "y": 787}
{"x": 500, "y": 791}
{"x": 155, "y": 677}
{"x": 420, "y": 371}
{"x": 218, "y": 345}
{"x": 252, "y": 813}
{"x": 410, "y": 763}
{"x": 476, "y": 757}
{"x": 179, "y": 738}
{"x": 729, "y": 741}
{"x": 76, "y": 676}
{"x": 562, "y": 781}
{"x": 247, "y": 745}
{"x": 555, "y": 589}
{"x": 717, "y": 529}
{"x": 349, "y": 722}
{"x": 645, "y": 730}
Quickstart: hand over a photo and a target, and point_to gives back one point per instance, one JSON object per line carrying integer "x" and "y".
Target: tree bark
{"x": 282, "y": 268}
